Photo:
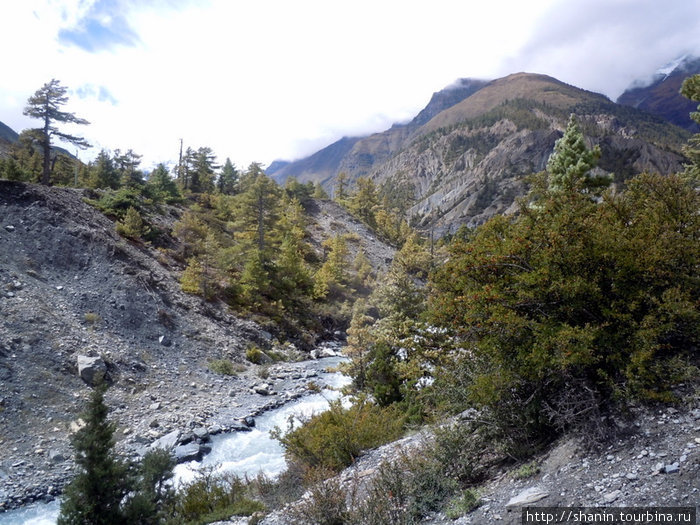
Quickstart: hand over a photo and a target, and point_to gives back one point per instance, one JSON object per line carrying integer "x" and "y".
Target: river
{"x": 238, "y": 452}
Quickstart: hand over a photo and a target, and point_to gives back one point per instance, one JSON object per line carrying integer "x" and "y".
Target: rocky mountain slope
{"x": 654, "y": 462}
{"x": 355, "y": 154}
{"x": 73, "y": 290}
{"x": 465, "y": 160}
{"x": 662, "y": 96}
{"x": 8, "y": 136}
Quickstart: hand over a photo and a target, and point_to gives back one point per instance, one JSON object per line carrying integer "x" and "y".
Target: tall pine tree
{"x": 45, "y": 105}
{"x": 95, "y": 494}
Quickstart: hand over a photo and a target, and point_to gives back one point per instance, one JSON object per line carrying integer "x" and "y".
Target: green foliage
{"x": 691, "y": 90}
{"x": 526, "y": 470}
{"x": 335, "y": 438}
{"x": 162, "y": 186}
{"x": 117, "y": 203}
{"x": 463, "y": 504}
{"x": 152, "y": 492}
{"x": 256, "y": 356}
{"x": 211, "y": 498}
{"x": 327, "y": 504}
{"x": 227, "y": 183}
{"x": 131, "y": 225}
{"x": 570, "y": 164}
{"x": 574, "y": 305}
{"x": 332, "y": 278}
{"x": 225, "y": 367}
{"x": 95, "y": 493}
{"x": 45, "y": 105}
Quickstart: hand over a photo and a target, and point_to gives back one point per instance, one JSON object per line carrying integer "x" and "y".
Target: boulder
{"x": 527, "y": 496}
{"x": 166, "y": 442}
{"x": 92, "y": 370}
{"x": 189, "y": 452}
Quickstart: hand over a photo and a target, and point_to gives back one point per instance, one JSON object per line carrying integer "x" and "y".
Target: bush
{"x": 225, "y": 367}
{"x": 131, "y": 225}
{"x": 335, "y": 438}
{"x": 463, "y": 504}
{"x": 211, "y": 498}
{"x": 327, "y": 503}
{"x": 575, "y": 306}
{"x": 257, "y": 356}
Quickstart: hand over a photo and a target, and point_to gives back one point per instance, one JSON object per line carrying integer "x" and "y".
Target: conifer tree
{"x": 691, "y": 90}
{"x": 570, "y": 164}
{"x": 45, "y": 105}
{"x": 95, "y": 494}
{"x": 227, "y": 182}
{"x": 162, "y": 183}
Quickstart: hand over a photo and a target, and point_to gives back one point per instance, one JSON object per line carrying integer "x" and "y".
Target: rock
{"x": 612, "y": 496}
{"x": 92, "y": 370}
{"x": 673, "y": 467}
{"x": 154, "y": 406}
{"x": 263, "y": 390}
{"x": 527, "y": 496}
{"x": 201, "y": 433}
{"x": 189, "y": 452}
{"x": 250, "y": 421}
{"x": 164, "y": 340}
{"x": 56, "y": 456}
{"x": 166, "y": 442}
{"x": 10, "y": 228}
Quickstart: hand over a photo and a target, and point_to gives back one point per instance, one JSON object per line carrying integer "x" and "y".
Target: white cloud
{"x": 277, "y": 79}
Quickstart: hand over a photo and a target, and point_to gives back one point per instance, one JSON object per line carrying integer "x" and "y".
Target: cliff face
{"x": 467, "y": 154}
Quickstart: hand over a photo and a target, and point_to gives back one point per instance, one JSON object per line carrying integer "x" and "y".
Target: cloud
{"x": 257, "y": 81}
{"x": 606, "y": 45}
{"x": 102, "y": 27}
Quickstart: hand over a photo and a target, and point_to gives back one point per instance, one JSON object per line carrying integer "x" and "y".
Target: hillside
{"x": 465, "y": 158}
{"x": 7, "y": 137}
{"x": 662, "y": 96}
{"x": 70, "y": 286}
{"x": 356, "y": 155}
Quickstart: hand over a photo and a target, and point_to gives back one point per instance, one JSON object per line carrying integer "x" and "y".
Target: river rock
{"x": 166, "y": 442}
{"x": 527, "y": 496}
{"x": 189, "y": 452}
{"x": 92, "y": 370}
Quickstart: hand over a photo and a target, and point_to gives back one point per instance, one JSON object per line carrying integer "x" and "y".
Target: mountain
{"x": 662, "y": 96}
{"x": 319, "y": 167}
{"x": 466, "y": 155}
{"x": 7, "y": 137}
{"x": 7, "y": 133}
{"x": 353, "y": 154}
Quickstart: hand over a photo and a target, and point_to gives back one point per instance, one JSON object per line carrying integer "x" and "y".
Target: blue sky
{"x": 266, "y": 79}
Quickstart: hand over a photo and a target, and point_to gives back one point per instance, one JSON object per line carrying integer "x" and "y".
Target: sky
{"x": 259, "y": 80}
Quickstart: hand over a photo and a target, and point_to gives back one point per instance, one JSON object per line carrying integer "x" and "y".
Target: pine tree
{"x": 570, "y": 164}
{"x": 227, "y": 182}
{"x": 95, "y": 494}
{"x": 162, "y": 183}
{"x": 691, "y": 90}
{"x": 45, "y": 105}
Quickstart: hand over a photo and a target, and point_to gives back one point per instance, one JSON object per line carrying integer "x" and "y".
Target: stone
{"x": 56, "y": 456}
{"x": 527, "y": 496}
{"x": 189, "y": 452}
{"x": 92, "y": 370}
{"x": 673, "y": 467}
{"x": 201, "y": 433}
{"x": 166, "y": 442}
{"x": 612, "y": 496}
{"x": 164, "y": 340}
{"x": 263, "y": 390}
{"x": 10, "y": 228}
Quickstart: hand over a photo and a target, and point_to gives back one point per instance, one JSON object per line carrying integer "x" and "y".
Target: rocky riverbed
{"x": 178, "y": 411}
